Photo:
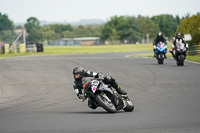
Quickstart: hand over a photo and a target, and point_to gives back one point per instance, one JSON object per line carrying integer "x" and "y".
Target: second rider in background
{"x": 158, "y": 39}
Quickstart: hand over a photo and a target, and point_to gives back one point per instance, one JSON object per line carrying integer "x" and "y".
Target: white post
{"x": 24, "y": 37}
{"x": 11, "y": 48}
{"x": 147, "y": 38}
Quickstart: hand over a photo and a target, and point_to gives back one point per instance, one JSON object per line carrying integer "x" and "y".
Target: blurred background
{"x": 89, "y": 22}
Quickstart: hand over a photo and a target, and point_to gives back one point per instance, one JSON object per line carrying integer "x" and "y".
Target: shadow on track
{"x": 164, "y": 65}
{"x": 88, "y": 112}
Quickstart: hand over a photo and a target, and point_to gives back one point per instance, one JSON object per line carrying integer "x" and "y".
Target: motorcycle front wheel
{"x": 182, "y": 58}
{"x": 160, "y": 58}
{"x": 104, "y": 101}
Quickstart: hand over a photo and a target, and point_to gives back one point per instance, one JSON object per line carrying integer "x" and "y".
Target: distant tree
{"x": 178, "y": 19}
{"x": 191, "y": 25}
{"x": 114, "y": 35}
{"x": 47, "y": 33}
{"x": 187, "y": 15}
{"x": 18, "y": 27}
{"x": 117, "y": 23}
{"x": 68, "y": 34}
{"x": 86, "y": 31}
{"x": 123, "y": 27}
{"x": 5, "y": 22}
{"x": 59, "y": 28}
{"x": 80, "y": 31}
{"x": 106, "y": 31}
{"x": 166, "y": 23}
{"x": 94, "y": 30}
{"x": 32, "y": 22}
{"x": 131, "y": 32}
{"x": 147, "y": 26}
{"x": 6, "y": 29}
{"x": 34, "y": 30}
{"x": 35, "y": 35}
{"x": 7, "y": 36}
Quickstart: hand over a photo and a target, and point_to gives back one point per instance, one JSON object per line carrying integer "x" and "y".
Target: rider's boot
{"x": 91, "y": 104}
{"x": 120, "y": 91}
{"x": 154, "y": 50}
{"x": 109, "y": 80}
{"x": 171, "y": 51}
{"x": 165, "y": 56}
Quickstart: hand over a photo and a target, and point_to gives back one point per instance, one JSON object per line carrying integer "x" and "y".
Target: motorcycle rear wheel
{"x": 129, "y": 107}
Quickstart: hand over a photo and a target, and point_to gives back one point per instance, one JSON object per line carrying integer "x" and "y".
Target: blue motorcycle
{"x": 161, "y": 50}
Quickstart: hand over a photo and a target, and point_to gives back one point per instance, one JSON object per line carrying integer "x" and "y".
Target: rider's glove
{"x": 100, "y": 75}
{"x": 171, "y": 50}
{"x": 80, "y": 96}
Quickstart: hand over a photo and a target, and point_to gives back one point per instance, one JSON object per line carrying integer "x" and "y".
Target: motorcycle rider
{"x": 79, "y": 73}
{"x": 177, "y": 39}
{"x": 158, "y": 39}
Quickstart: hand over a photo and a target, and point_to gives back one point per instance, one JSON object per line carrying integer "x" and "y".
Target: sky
{"x": 75, "y": 10}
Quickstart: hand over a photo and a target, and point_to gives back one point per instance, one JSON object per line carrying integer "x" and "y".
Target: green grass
{"x": 195, "y": 58}
{"x": 148, "y": 55}
{"x": 86, "y": 49}
{"x": 19, "y": 54}
{"x": 96, "y": 49}
{"x": 48, "y": 50}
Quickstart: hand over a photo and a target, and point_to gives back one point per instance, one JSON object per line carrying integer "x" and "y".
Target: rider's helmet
{"x": 78, "y": 73}
{"x": 178, "y": 35}
{"x": 159, "y": 35}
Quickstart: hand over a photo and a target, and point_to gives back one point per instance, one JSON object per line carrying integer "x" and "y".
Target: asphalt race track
{"x": 36, "y": 95}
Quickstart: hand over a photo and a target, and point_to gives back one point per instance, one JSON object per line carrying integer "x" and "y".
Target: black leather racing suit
{"x": 157, "y": 40}
{"x": 106, "y": 79}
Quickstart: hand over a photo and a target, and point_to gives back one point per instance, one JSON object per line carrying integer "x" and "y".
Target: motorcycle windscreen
{"x": 160, "y": 48}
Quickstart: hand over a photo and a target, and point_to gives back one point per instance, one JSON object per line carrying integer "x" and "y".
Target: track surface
{"x": 36, "y": 95}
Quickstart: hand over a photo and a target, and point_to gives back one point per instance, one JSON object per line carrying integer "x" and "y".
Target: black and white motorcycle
{"x": 180, "y": 54}
{"x": 105, "y": 96}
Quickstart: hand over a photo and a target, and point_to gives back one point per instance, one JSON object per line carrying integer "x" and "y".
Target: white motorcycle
{"x": 180, "y": 54}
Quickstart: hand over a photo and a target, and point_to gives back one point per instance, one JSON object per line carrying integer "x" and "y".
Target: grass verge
{"x": 48, "y": 50}
{"x": 195, "y": 58}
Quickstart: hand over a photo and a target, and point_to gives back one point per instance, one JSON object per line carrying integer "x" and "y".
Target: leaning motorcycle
{"x": 161, "y": 50}
{"x": 103, "y": 95}
{"x": 180, "y": 54}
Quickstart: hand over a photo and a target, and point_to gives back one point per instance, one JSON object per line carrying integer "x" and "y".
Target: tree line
{"x": 191, "y": 25}
{"x": 129, "y": 29}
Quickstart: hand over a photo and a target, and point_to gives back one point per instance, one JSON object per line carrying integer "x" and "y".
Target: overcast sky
{"x": 75, "y": 10}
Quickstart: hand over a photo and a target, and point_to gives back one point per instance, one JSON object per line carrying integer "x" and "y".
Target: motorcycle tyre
{"x": 104, "y": 104}
{"x": 182, "y": 57}
{"x": 129, "y": 107}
